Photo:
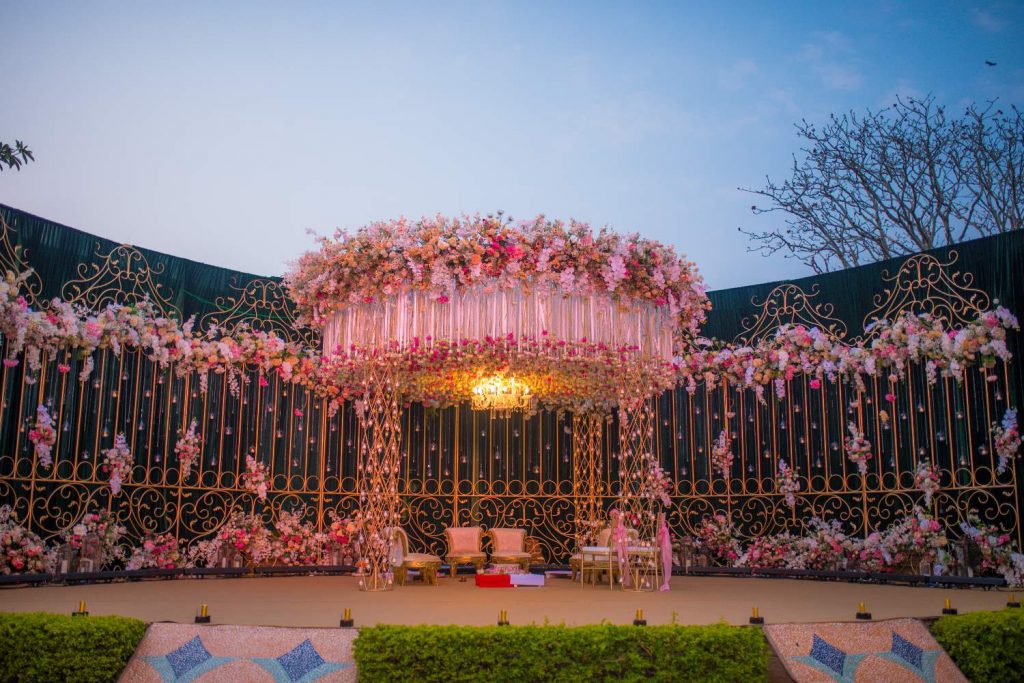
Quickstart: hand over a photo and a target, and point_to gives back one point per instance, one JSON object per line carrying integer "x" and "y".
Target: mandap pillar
{"x": 380, "y": 424}
{"x": 587, "y": 484}
{"x": 636, "y": 452}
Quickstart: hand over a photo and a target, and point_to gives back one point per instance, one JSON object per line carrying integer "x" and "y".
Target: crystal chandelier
{"x": 503, "y": 395}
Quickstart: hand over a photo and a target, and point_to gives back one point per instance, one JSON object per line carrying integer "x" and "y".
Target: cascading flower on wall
{"x": 188, "y": 449}
{"x": 787, "y": 483}
{"x": 722, "y": 455}
{"x": 858, "y": 448}
{"x": 1006, "y": 439}
{"x": 117, "y": 463}
{"x": 254, "y": 479}
{"x": 926, "y": 480}
{"x": 43, "y": 436}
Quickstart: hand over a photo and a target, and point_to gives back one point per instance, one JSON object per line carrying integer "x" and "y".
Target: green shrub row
{"x": 559, "y": 653}
{"x": 987, "y": 646}
{"x": 54, "y": 647}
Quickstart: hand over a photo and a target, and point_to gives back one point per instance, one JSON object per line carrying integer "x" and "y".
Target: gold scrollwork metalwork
{"x": 924, "y": 284}
{"x": 789, "y": 304}
{"x": 12, "y": 258}
{"x": 262, "y": 304}
{"x": 122, "y": 276}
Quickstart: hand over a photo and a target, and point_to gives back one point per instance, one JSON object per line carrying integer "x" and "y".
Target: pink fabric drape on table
{"x": 620, "y": 539}
{"x": 665, "y": 543}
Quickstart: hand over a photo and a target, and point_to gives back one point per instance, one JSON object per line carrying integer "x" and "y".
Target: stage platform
{"x": 317, "y": 601}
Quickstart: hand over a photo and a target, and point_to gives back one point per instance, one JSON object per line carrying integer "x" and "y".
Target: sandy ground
{"x": 319, "y": 601}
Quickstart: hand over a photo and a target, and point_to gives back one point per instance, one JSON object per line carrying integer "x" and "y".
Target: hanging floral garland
{"x": 579, "y": 376}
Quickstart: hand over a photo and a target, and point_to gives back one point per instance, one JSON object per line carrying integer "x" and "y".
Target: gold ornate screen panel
{"x": 464, "y": 467}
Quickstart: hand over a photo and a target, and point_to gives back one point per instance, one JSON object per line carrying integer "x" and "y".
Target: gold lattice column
{"x": 587, "y": 483}
{"x": 380, "y": 436}
{"x": 636, "y": 446}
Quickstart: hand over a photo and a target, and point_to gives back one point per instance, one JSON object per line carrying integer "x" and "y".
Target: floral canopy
{"x": 587, "y": 320}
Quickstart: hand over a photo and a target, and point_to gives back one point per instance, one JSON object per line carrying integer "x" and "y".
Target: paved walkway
{"x": 319, "y": 601}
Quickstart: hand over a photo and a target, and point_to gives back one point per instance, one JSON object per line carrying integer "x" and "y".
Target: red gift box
{"x": 493, "y": 581}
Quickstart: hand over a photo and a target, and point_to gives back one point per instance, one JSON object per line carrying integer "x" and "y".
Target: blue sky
{"x": 223, "y": 131}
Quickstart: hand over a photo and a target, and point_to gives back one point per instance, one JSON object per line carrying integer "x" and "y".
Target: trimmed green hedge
{"x": 52, "y": 647}
{"x": 987, "y": 646}
{"x": 559, "y": 653}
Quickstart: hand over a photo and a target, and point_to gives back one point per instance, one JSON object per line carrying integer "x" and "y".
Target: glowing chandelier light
{"x": 503, "y": 395}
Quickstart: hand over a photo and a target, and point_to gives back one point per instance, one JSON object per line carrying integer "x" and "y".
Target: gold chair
{"x": 427, "y": 564}
{"x": 508, "y": 546}
{"x": 604, "y": 557}
{"x": 464, "y": 547}
{"x": 576, "y": 560}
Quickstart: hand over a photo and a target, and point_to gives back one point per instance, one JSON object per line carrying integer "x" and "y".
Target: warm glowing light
{"x": 503, "y": 395}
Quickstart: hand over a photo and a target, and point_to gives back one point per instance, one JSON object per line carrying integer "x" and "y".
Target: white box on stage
{"x": 527, "y": 579}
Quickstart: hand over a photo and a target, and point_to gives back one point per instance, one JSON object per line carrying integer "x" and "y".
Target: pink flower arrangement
{"x": 824, "y": 546}
{"x": 787, "y": 483}
{"x": 246, "y": 536}
{"x": 188, "y": 448}
{"x": 254, "y": 479}
{"x": 858, "y": 448}
{"x": 722, "y": 455}
{"x": 296, "y": 543}
{"x": 340, "y": 532}
{"x": 21, "y": 550}
{"x": 1006, "y": 439}
{"x": 717, "y": 538}
{"x": 43, "y": 436}
{"x": 997, "y": 552}
{"x": 769, "y": 552}
{"x": 902, "y": 546}
{"x": 117, "y": 463}
{"x": 158, "y": 551}
{"x": 101, "y": 528}
{"x": 926, "y": 480}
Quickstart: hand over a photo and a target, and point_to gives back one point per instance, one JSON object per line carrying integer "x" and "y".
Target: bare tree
{"x": 900, "y": 180}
